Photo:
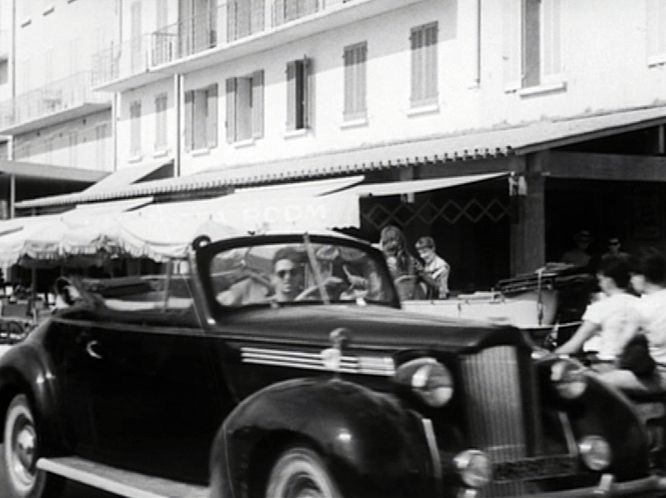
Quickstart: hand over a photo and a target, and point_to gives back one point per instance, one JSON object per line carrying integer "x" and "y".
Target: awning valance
{"x": 416, "y": 186}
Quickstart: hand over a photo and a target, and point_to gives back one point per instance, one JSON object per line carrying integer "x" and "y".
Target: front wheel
{"x": 301, "y": 473}
{"x": 21, "y": 453}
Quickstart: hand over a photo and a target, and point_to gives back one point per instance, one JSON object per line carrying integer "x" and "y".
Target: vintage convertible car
{"x": 282, "y": 366}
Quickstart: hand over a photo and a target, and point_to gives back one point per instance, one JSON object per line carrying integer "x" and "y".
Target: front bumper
{"x": 652, "y": 486}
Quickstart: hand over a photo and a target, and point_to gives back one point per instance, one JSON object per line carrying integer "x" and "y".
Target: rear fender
{"x": 370, "y": 443}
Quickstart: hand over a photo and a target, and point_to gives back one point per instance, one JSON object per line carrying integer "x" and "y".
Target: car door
{"x": 155, "y": 400}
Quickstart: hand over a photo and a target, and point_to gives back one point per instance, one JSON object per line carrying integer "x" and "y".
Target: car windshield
{"x": 298, "y": 272}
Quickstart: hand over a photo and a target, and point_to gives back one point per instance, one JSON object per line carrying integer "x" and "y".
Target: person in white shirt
{"x": 435, "y": 274}
{"x": 612, "y": 320}
{"x": 649, "y": 279}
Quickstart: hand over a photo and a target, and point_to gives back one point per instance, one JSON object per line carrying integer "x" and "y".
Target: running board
{"x": 118, "y": 481}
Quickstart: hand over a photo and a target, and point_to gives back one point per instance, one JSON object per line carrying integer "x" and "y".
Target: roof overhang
{"x": 23, "y": 169}
{"x": 54, "y": 118}
{"x": 465, "y": 145}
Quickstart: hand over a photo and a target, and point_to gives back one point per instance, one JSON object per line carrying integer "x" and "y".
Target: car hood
{"x": 367, "y": 326}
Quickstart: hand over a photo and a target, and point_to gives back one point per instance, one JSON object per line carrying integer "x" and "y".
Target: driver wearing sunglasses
{"x": 287, "y": 274}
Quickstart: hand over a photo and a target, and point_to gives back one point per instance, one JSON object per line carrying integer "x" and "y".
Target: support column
{"x": 528, "y": 225}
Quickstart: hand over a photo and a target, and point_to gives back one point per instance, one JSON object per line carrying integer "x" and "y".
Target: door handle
{"x": 90, "y": 349}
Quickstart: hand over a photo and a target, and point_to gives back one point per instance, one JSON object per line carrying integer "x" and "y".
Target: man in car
{"x": 287, "y": 276}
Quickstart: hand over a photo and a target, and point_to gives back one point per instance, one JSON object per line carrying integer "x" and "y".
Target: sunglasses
{"x": 283, "y": 273}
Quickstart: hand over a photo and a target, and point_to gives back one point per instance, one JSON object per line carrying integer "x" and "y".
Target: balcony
{"x": 233, "y": 29}
{"x": 60, "y": 100}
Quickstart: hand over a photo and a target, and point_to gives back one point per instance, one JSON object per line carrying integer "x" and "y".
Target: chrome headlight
{"x": 428, "y": 379}
{"x": 569, "y": 378}
{"x": 474, "y": 467}
{"x": 595, "y": 452}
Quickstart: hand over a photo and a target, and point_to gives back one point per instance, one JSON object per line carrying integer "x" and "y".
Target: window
{"x": 424, "y": 64}
{"x": 245, "y": 17}
{"x": 201, "y": 118}
{"x": 656, "y": 31}
{"x": 102, "y": 135}
{"x": 532, "y": 42}
{"x": 135, "y": 129}
{"x": 355, "y": 58}
{"x": 245, "y": 107}
{"x": 160, "y": 122}
{"x": 73, "y": 146}
{"x": 299, "y": 90}
{"x": 289, "y": 10}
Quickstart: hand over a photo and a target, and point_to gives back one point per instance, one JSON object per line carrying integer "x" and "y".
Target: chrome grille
{"x": 494, "y": 405}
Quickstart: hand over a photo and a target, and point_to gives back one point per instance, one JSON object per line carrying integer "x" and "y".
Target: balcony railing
{"x": 223, "y": 24}
{"x": 59, "y": 95}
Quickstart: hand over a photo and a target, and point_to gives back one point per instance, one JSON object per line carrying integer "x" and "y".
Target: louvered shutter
{"x": 308, "y": 113}
{"x": 189, "y": 113}
{"x": 291, "y": 96}
{"x": 232, "y": 12}
{"x": 257, "y": 21}
{"x": 430, "y": 62}
{"x": 361, "y": 84}
{"x": 511, "y": 44}
{"x": 258, "y": 104}
{"x": 278, "y": 12}
{"x": 211, "y": 116}
{"x": 551, "y": 38}
{"x": 231, "y": 109}
{"x": 418, "y": 62}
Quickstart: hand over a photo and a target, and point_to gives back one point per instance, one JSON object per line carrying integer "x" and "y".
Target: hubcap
{"x": 23, "y": 452}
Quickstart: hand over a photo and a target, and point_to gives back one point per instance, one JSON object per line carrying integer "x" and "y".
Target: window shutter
{"x": 430, "y": 66}
{"x": 291, "y": 96}
{"x": 258, "y": 104}
{"x": 231, "y": 20}
{"x": 189, "y": 113}
{"x": 308, "y": 112}
{"x": 231, "y": 110}
{"x": 278, "y": 12}
{"x": 211, "y": 116}
{"x": 361, "y": 79}
{"x": 349, "y": 81}
{"x": 418, "y": 62}
{"x": 656, "y": 35}
{"x": 258, "y": 21}
{"x": 551, "y": 38}
{"x": 512, "y": 16}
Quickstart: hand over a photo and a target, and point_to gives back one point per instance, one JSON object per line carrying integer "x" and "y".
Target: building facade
{"x": 566, "y": 98}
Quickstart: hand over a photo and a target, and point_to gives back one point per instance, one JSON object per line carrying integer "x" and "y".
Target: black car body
{"x": 338, "y": 393}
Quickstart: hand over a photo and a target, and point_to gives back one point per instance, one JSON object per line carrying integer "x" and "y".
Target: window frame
{"x": 245, "y": 108}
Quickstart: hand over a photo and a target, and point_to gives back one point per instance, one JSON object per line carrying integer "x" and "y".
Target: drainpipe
{"x": 178, "y": 103}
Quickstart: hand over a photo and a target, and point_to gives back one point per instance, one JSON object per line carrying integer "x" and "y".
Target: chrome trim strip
{"x": 365, "y": 365}
{"x": 429, "y": 432}
{"x": 572, "y": 446}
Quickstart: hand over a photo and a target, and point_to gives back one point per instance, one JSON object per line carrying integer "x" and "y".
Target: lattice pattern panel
{"x": 451, "y": 212}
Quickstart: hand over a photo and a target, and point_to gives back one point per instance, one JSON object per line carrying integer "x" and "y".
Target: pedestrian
{"x": 610, "y": 321}
{"x": 580, "y": 255}
{"x": 401, "y": 264}
{"x": 436, "y": 271}
{"x": 615, "y": 248}
{"x": 649, "y": 279}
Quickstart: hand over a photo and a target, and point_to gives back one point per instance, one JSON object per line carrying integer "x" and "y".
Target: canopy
{"x": 163, "y": 231}
{"x": 416, "y": 186}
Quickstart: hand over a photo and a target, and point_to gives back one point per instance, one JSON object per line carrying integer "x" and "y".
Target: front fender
{"x": 370, "y": 443}
{"x": 22, "y": 370}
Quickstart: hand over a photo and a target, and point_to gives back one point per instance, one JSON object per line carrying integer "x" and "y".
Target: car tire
{"x": 23, "y": 479}
{"x": 300, "y": 472}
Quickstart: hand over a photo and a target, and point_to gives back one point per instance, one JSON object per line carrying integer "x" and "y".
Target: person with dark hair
{"x": 649, "y": 279}
{"x": 615, "y": 248}
{"x": 613, "y": 319}
{"x": 580, "y": 255}
{"x": 287, "y": 274}
{"x": 404, "y": 267}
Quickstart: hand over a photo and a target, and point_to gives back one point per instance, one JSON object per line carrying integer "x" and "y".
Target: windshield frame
{"x": 205, "y": 255}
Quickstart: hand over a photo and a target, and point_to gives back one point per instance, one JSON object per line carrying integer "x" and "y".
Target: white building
{"x": 275, "y": 90}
